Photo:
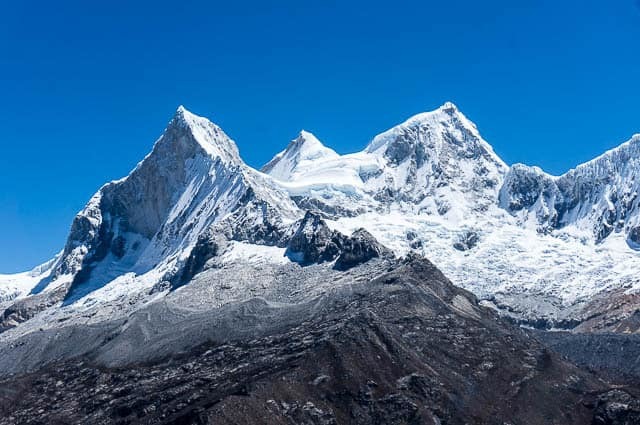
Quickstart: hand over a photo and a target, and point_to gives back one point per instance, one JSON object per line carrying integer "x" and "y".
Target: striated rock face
{"x": 400, "y": 346}
{"x": 193, "y": 179}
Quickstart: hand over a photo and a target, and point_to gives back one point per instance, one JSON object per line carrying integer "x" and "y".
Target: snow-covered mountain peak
{"x": 308, "y": 147}
{"x": 149, "y": 222}
{"x": 301, "y": 152}
{"x": 181, "y": 110}
{"x": 193, "y": 128}
{"x": 307, "y": 138}
{"x": 183, "y": 118}
{"x": 449, "y": 107}
{"x": 431, "y": 119}
{"x": 445, "y": 128}
{"x": 596, "y": 198}
{"x": 438, "y": 162}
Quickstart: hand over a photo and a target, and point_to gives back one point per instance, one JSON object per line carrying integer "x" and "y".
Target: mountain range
{"x": 195, "y": 249}
{"x": 539, "y": 248}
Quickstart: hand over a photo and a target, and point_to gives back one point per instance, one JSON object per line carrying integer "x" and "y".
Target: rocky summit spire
{"x": 190, "y": 130}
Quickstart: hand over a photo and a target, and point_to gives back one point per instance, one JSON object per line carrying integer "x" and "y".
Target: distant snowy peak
{"x": 301, "y": 151}
{"x": 621, "y": 159}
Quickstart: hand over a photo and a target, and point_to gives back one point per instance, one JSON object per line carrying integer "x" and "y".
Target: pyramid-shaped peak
{"x": 444, "y": 131}
{"x": 305, "y": 148}
{"x": 308, "y": 137}
{"x": 183, "y": 116}
{"x": 447, "y": 111}
{"x": 204, "y": 133}
{"x": 307, "y": 141}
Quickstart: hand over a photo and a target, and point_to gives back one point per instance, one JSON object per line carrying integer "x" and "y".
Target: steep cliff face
{"x": 533, "y": 196}
{"x": 191, "y": 179}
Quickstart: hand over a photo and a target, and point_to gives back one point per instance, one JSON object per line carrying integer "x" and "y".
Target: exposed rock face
{"x": 256, "y": 222}
{"x": 617, "y": 407}
{"x": 193, "y": 179}
{"x": 634, "y": 235}
{"x": 24, "y": 309}
{"x": 134, "y": 223}
{"x": 403, "y": 347}
{"x": 359, "y": 248}
{"x": 207, "y": 247}
{"x": 313, "y": 241}
{"x": 466, "y": 240}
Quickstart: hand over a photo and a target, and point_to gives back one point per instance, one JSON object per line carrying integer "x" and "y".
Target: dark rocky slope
{"x": 612, "y": 355}
{"x": 405, "y": 347}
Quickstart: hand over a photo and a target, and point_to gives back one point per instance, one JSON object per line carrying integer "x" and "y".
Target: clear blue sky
{"x": 86, "y": 87}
